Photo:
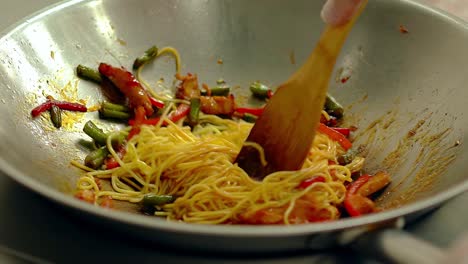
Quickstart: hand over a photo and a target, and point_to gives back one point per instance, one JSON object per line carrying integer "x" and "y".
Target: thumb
{"x": 339, "y": 12}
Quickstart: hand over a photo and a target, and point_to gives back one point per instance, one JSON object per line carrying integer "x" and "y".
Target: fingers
{"x": 339, "y": 12}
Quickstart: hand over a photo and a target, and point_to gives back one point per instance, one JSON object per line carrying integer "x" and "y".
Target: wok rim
{"x": 223, "y": 230}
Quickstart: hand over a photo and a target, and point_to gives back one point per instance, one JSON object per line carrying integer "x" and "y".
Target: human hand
{"x": 338, "y": 12}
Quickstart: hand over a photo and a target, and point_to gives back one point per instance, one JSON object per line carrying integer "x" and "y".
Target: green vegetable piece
{"x": 95, "y": 133}
{"x": 149, "y": 55}
{"x": 152, "y": 199}
{"x": 115, "y": 107}
{"x": 220, "y": 90}
{"x": 106, "y": 113}
{"x": 96, "y": 158}
{"x": 194, "y": 111}
{"x": 88, "y": 74}
{"x": 332, "y": 107}
{"x": 259, "y": 90}
{"x": 56, "y": 116}
{"x": 347, "y": 158}
{"x": 249, "y": 118}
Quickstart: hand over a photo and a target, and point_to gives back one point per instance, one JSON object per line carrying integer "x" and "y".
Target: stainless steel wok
{"x": 406, "y": 94}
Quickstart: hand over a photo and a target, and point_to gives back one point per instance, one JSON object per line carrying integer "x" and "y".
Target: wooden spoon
{"x": 286, "y": 128}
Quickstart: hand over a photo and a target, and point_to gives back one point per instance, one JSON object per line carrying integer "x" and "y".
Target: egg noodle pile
{"x": 196, "y": 166}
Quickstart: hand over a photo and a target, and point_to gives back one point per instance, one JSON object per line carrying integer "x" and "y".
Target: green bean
{"x": 347, "y": 158}
{"x": 259, "y": 90}
{"x": 88, "y": 74}
{"x": 56, "y": 116}
{"x": 115, "y": 107}
{"x": 96, "y": 158}
{"x": 95, "y": 133}
{"x": 149, "y": 54}
{"x": 113, "y": 114}
{"x": 249, "y": 118}
{"x": 333, "y": 108}
{"x": 194, "y": 111}
{"x": 221, "y": 90}
{"x": 152, "y": 199}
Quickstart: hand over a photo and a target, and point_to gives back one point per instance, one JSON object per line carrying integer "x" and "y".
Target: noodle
{"x": 197, "y": 168}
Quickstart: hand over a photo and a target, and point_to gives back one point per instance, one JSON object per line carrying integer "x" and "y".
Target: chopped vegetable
{"x": 181, "y": 112}
{"x": 311, "y": 181}
{"x": 194, "y": 111}
{"x": 95, "y": 133}
{"x": 336, "y": 136}
{"x": 348, "y": 157}
{"x": 60, "y": 104}
{"x": 88, "y": 74}
{"x": 107, "y": 113}
{"x": 374, "y": 184}
{"x": 156, "y": 103}
{"x": 259, "y": 90}
{"x": 139, "y": 118}
{"x": 56, "y": 116}
{"x": 353, "y": 187}
{"x": 333, "y": 108}
{"x": 129, "y": 86}
{"x": 188, "y": 88}
{"x": 222, "y": 89}
{"x": 115, "y": 107}
{"x": 249, "y": 118}
{"x": 96, "y": 158}
{"x": 152, "y": 199}
{"x": 252, "y": 111}
{"x": 218, "y": 105}
{"x": 149, "y": 55}
{"x": 357, "y": 205}
{"x": 344, "y": 131}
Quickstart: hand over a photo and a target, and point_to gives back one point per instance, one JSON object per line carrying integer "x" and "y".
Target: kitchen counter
{"x": 32, "y": 229}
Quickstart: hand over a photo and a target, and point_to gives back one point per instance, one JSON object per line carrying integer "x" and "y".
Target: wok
{"x": 406, "y": 94}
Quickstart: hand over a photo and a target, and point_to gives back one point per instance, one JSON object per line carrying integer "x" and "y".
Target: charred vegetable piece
{"x": 129, "y": 86}
{"x": 56, "y": 116}
{"x": 260, "y": 90}
{"x": 348, "y": 157}
{"x": 95, "y": 133}
{"x": 149, "y": 55}
{"x": 194, "y": 111}
{"x": 107, "y": 113}
{"x": 333, "y": 108}
{"x": 218, "y": 105}
{"x": 88, "y": 74}
{"x": 249, "y": 118}
{"x": 151, "y": 199}
{"x": 336, "y": 136}
{"x": 96, "y": 158}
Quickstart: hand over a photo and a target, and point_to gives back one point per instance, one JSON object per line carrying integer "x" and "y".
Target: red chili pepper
{"x": 336, "y": 136}
{"x": 41, "y": 108}
{"x": 252, "y": 111}
{"x": 309, "y": 182}
{"x": 181, "y": 111}
{"x": 355, "y": 185}
{"x": 345, "y": 131}
{"x": 60, "y": 104}
{"x": 269, "y": 94}
{"x": 156, "y": 103}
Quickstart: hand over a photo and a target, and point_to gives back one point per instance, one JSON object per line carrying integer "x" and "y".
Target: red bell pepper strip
{"x": 60, "y": 104}
{"x": 111, "y": 163}
{"x": 156, "y": 103}
{"x": 350, "y": 200}
{"x": 252, "y": 111}
{"x": 345, "y": 131}
{"x": 306, "y": 183}
{"x": 336, "y": 136}
{"x": 181, "y": 111}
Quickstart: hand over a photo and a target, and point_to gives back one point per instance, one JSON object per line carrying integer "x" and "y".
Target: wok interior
{"x": 397, "y": 80}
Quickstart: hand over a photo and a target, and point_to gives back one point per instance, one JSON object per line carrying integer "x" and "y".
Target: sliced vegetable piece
{"x": 252, "y": 111}
{"x": 89, "y": 74}
{"x": 139, "y": 118}
{"x": 218, "y": 105}
{"x": 95, "y": 133}
{"x": 156, "y": 103}
{"x": 194, "y": 111}
{"x": 115, "y": 107}
{"x": 107, "y": 113}
{"x": 347, "y": 158}
{"x": 309, "y": 182}
{"x": 151, "y": 199}
{"x": 70, "y": 106}
{"x": 149, "y": 55}
{"x": 259, "y": 90}
{"x": 355, "y": 185}
{"x": 336, "y": 136}
{"x": 249, "y": 118}
{"x": 220, "y": 90}
{"x": 333, "y": 108}
{"x": 56, "y": 116}
{"x": 188, "y": 88}
{"x": 345, "y": 131}
{"x": 181, "y": 112}
{"x": 38, "y": 110}
{"x": 96, "y": 158}
{"x": 357, "y": 205}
